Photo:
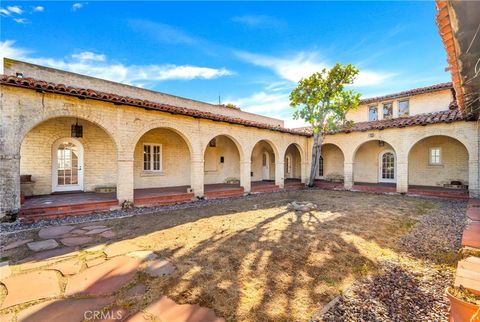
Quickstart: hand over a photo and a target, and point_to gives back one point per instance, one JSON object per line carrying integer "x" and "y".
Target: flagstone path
{"x": 76, "y": 273}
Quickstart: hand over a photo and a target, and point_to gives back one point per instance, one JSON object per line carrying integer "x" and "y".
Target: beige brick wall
{"x": 100, "y": 159}
{"x": 229, "y": 169}
{"x": 11, "y": 67}
{"x": 175, "y": 161}
{"x": 366, "y": 164}
{"x": 294, "y": 154}
{"x": 418, "y": 104}
{"x": 332, "y": 161}
{"x": 257, "y": 158}
{"x": 454, "y": 162}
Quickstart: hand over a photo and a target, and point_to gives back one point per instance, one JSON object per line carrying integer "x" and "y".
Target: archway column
{"x": 348, "y": 175}
{"x": 245, "y": 177}
{"x": 305, "y": 168}
{"x": 9, "y": 184}
{"x": 279, "y": 173}
{"x": 197, "y": 174}
{"x": 473, "y": 178}
{"x": 402, "y": 172}
{"x": 125, "y": 180}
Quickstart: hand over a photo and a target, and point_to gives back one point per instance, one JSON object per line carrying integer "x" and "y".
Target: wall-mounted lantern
{"x": 77, "y": 130}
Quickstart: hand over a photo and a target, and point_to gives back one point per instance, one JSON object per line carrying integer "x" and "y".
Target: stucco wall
{"x": 454, "y": 165}
{"x": 175, "y": 161}
{"x": 419, "y": 104}
{"x": 230, "y": 169}
{"x": 100, "y": 157}
{"x": 366, "y": 166}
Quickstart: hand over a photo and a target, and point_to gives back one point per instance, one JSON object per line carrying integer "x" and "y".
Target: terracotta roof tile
{"x": 449, "y": 116}
{"x": 411, "y": 92}
{"x": 41, "y": 85}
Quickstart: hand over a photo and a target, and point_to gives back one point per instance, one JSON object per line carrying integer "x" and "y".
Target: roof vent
{"x": 19, "y": 75}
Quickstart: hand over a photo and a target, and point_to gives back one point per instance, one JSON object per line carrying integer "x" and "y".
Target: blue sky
{"x": 249, "y": 53}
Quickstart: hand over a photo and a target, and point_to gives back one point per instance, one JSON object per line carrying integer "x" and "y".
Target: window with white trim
{"x": 435, "y": 156}
{"x": 152, "y": 157}
{"x": 372, "y": 113}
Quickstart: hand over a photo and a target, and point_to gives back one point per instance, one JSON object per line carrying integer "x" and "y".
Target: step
{"x": 29, "y": 218}
{"x": 164, "y": 200}
{"x": 468, "y": 274}
{"x": 294, "y": 186}
{"x": 224, "y": 193}
{"x": 265, "y": 188}
{"x": 473, "y": 212}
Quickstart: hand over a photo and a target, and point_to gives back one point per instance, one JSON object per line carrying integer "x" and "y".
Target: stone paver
{"x": 159, "y": 268}
{"x": 54, "y": 232}
{"x": 97, "y": 231}
{"x": 47, "y": 258}
{"x": 96, "y": 261}
{"x": 120, "y": 248}
{"x": 471, "y": 235}
{"x": 42, "y": 245}
{"x": 16, "y": 244}
{"x": 104, "y": 278}
{"x": 5, "y": 270}
{"x": 145, "y": 255}
{"x": 31, "y": 286}
{"x": 68, "y": 267}
{"x": 107, "y": 234}
{"x": 71, "y": 310}
{"x": 165, "y": 309}
{"x": 76, "y": 241}
{"x": 78, "y": 232}
{"x": 136, "y": 290}
{"x": 473, "y": 213}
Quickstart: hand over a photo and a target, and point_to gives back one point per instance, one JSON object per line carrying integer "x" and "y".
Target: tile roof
{"x": 449, "y": 116}
{"x": 411, "y": 92}
{"x": 83, "y": 93}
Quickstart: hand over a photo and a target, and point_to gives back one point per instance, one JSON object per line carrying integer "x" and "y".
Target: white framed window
{"x": 152, "y": 157}
{"x": 435, "y": 156}
{"x": 372, "y": 113}
{"x": 387, "y": 111}
{"x": 403, "y": 108}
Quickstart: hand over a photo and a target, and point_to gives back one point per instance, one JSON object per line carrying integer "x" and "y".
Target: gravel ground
{"x": 410, "y": 288}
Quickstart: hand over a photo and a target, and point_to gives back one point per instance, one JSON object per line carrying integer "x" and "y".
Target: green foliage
{"x": 230, "y": 105}
{"x": 321, "y": 99}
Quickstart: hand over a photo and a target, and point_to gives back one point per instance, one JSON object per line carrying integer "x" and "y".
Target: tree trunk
{"x": 316, "y": 153}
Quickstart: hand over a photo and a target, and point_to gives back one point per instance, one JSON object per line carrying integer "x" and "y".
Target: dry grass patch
{"x": 254, "y": 260}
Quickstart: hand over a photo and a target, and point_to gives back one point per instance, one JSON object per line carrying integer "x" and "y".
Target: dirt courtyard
{"x": 253, "y": 259}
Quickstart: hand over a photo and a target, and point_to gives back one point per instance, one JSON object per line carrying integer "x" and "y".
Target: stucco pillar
{"x": 245, "y": 177}
{"x": 279, "y": 174}
{"x": 402, "y": 173}
{"x": 9, "y": 185}
{"x": 348, "y": 175}
{"x": 125, "y": 179}
{"x": 197, "y": 175}
{"x": 473, "y": 178}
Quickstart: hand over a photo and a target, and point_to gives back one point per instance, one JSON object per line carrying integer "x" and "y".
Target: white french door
{"x": 67, "y": 165}
{"x": 387, "y": 167}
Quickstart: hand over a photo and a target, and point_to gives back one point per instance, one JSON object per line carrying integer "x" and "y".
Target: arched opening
{"x": 439, "y": 162}
{"x": 331, "y": 164}
{"x": 222, "y": 167}
{"x": 72, "y": 158}
{"x": 263, "y": 166}
{"x": 375, "y": 166}
{"x": 292, "y": 166}
{"x": 162, "y": 168}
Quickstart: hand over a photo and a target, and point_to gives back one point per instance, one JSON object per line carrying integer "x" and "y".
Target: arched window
{"x": 288, "y": 164}
{"x": 320, "y": 167}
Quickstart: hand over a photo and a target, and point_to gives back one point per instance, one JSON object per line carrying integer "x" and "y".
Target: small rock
{"x": 42, "y": 245}
{"x": 159, "y": 268}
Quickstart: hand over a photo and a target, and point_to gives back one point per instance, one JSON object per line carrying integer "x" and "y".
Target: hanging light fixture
{"x": 77, "y": 130}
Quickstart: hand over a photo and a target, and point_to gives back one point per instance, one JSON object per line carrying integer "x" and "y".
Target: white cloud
{"x": 77, "y": 6}
{"x": 15, "y": 9}
{"x": 39, "y": 9}
{"x": 304, "y": 64}
{"x": 88, "y": 55}
{"x": 98, "y": 65}
{"x": 162, "y": 32}
{"x": 4, "y": 12}
{"x": 20, "y": 20}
